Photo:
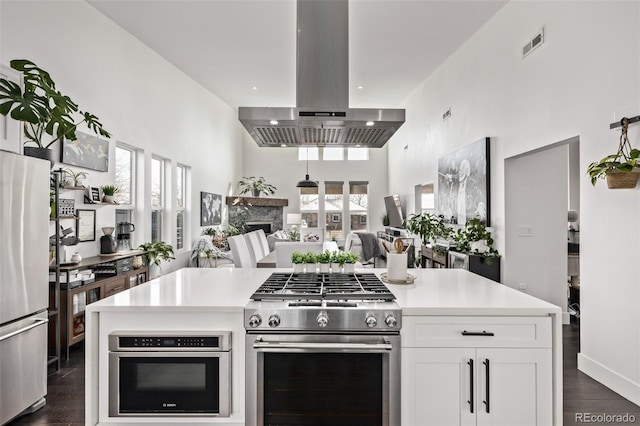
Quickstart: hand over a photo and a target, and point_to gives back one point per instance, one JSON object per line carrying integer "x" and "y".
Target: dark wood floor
{"x": 65, "y": 401}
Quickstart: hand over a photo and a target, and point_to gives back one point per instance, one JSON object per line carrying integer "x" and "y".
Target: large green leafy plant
{"x": 256, "y": 186}
{"x": 42, "y": 108}
{"x": 428, "y": 226}
{"x": 157, "y": 252}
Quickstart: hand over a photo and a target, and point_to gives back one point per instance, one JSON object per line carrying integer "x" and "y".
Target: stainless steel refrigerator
{"x": 24, "y": 288}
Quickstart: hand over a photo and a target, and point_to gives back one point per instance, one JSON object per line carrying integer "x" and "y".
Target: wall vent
{"x": 535, "y": 42}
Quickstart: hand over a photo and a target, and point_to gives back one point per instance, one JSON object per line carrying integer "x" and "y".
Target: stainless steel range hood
{"x": 322, "y": 116}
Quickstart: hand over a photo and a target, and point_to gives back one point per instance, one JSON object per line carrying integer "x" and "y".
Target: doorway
{"x": 540, "y": 187}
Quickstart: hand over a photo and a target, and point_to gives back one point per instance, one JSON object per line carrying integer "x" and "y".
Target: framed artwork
{"x": 86, "y": 225}
{"x": 463, "y": 184}
{"x": 210, "y": 209}
{"x": 86, "y": 151}
{"x": 335, "y": 218}
{"x": 94, "y": 194}
{"x": 66, "y": 207}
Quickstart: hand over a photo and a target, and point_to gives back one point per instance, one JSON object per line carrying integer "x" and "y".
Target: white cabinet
{"x": 479, "y": 379}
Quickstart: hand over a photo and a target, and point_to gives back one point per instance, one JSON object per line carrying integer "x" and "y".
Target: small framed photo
{"x": 363, "y": 219}
{"x": 66, "y": 207}
{"x": 94, "y": 194}
{"x": 335, "y": 218}
{"x": 86, "y": 225}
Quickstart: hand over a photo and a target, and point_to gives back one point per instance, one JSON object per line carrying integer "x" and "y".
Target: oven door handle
{"x": 259, "y": 344}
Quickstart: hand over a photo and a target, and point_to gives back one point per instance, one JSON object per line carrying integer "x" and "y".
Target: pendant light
{"x": 307, "y": 183}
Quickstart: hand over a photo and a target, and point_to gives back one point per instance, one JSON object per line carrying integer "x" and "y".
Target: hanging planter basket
{"x": 622, "y": 180}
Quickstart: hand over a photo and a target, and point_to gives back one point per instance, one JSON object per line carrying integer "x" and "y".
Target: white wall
{"x": 281, "y": 167}
{"x": 140, "y": 98}
{"x": 585, "y": 76}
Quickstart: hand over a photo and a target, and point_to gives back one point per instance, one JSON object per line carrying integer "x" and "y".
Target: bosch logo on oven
{"x": 169, "y": 405}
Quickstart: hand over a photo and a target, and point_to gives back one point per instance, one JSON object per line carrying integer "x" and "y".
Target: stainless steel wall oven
{"x": 329, "y": 361}
{"x": 170, "y": 373}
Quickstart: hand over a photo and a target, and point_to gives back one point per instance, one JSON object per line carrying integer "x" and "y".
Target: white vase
{"x": 310, "y": 268}
{"x": 108, "y": 199}
{"x": 349, "y": 268}
{"x": 298, "y": 268}
{"x": 335, "y": 267}
{"x": 324, "y": 267}
{"x": 479, "y": 246}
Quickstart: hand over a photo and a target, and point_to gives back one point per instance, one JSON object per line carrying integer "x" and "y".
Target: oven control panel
{"x": 169, "y": 341}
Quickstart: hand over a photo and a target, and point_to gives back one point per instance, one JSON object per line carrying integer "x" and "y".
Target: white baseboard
{"x": 614, "y": 381}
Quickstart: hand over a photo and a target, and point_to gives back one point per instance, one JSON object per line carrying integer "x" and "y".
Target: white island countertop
{"x": 434, "y": 292}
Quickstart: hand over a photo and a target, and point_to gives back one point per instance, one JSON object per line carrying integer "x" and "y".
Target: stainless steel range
{"x": 323, "y": 349}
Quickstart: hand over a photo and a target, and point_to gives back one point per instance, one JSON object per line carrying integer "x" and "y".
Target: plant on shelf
{"x": 157, "y": 252}
{"x": 72, "y": 179}
{"x": 109, "y": 191}
{"x": 210, "y": 232}
{"x": 43, "y": 110}
{"x": 475, "y": 238}
{"x": 385, "y": 219}
{"x": 620, "y": 169}
{"x": 428, "y": 227}
{"x": 256, "y": 186}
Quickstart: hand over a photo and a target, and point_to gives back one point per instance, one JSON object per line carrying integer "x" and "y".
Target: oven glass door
{"x": 325, "y": 383}
{"x": 169, "y": 383}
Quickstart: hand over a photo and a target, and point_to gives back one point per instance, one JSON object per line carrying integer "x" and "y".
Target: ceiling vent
{"x": 532, "y": 45}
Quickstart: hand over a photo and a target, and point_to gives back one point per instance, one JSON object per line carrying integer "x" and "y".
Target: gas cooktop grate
{"x": 334, "y": 286}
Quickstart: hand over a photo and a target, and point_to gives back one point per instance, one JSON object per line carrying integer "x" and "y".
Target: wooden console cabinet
{"x": 113, "y": 279}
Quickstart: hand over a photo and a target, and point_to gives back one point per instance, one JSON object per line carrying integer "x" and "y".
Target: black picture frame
{"x": 86, "y": 151}
{"x": 94, "y": 194}
{"x": 85, "y": 225}
{"x": 335, "y": 218}
{"x": 464, "y": 177}
{"x": 210, "y": 209}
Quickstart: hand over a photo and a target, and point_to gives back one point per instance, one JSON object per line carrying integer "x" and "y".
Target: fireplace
{"x": 254, "y": 226}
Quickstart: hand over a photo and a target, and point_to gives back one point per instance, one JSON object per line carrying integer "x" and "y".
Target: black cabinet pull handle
{"x": 471, "y": 402}
{"x": 487, "y": 389}
{"x": 477, "y": 333}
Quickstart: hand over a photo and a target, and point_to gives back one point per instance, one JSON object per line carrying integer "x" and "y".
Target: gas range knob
{"x": 322, "y": 319}
{"x": 274, "y": 320}
{"x": 255, "y": 320}
{"x": 371, "y": 321}
{"x": 391, "y": 320}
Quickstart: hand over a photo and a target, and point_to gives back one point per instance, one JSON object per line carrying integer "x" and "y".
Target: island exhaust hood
{"x": 322, "y": 116}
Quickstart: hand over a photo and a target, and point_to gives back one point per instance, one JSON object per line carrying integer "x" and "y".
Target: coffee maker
{"x": 124, "y": 235}
{"x": 107, "y": 243}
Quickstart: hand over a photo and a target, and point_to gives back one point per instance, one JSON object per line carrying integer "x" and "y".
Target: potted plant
{"x": 428, "y": 227}
{"x": 297, "y": 259}
{"x": 475, "y": 238}
{"x": 256, "y": 186}
{"x": 109, "y": 191}
{"x": 338, "y": 259}
{"x": 324, "y": 261}
{"x": 72, "y": 179}
{"x": 43, "y": 110}
{"x": 210, "y": 231}
{"x": 620, "y": 169}
{"x": 350, "y": 260}
{"x": 309, "y": 261}
{"x": 157, "y": 252}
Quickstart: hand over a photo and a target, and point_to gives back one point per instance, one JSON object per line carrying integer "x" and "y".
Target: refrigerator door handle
{"x": 35, "y": 324}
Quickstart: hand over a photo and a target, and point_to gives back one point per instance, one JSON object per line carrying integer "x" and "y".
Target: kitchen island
{"x": 438, "y": 302}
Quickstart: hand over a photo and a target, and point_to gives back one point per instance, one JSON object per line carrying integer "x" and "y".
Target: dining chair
{"x": 255, "y": 247}
{"x": 240, "y": 252}
{"x": 263, "y": 241}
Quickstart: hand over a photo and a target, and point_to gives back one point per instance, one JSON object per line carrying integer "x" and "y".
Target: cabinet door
{"x": 519, "y": 389}
{"x": 437, "y": 386}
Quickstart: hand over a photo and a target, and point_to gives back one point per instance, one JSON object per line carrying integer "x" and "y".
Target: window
{"x": 333, "y": 154}
{"x": 333, "y": 207}
{"x": 309, "y": 206}
{"x": 181, "y": 204}
{"x": 357, "y": 154}
{"x": 358, "y": 205}
{"x": 308, "y": 151}
{"x": 157, "y": 198}
{"x": 425, "y": 198}
{"x": 125, "y": 160}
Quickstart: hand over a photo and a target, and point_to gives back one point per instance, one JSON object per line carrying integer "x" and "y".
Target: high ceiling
{"x": 232, "y": 46}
